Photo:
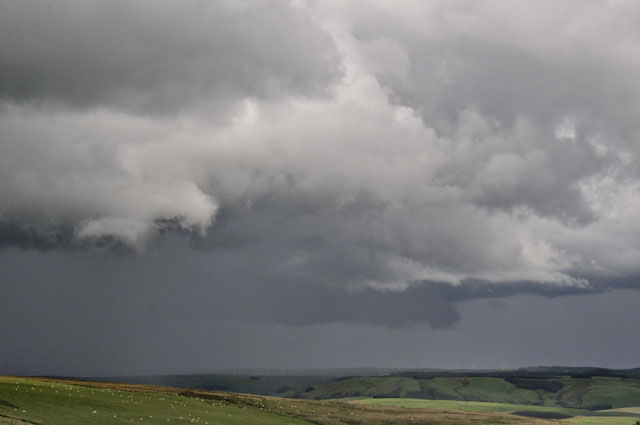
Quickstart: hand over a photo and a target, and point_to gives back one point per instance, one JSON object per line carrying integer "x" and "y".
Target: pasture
{"x": 576, "y": 416}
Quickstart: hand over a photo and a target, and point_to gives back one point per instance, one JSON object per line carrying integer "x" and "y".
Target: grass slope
{"x": 615, "y": 392}
{"x": 593, "y": 420}
{"x": 61, "y": 402}
{"x": 468, "y": 389}
{"x": 365, "y": 387}
{"x": 593, "y": 393}
{"x": 65, "y": 403}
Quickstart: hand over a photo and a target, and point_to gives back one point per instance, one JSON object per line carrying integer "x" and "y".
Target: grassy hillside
{"x": 592, "y": 393}
{"x": 572, "y": 387}
{"x": 51, "y": 402}
{"x": 364, "y": 387}
{"x": 479, "y": 389}
{"x": 61, "y": 402}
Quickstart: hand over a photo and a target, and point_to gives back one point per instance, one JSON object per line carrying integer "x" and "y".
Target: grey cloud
{"x": 375, "y": 173}
{"x": 487, "y": 57}
{"x": 510, "y": 84}
{"x": 160, "y": 57}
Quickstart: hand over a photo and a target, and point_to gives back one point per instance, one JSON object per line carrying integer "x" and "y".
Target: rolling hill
{"x": 62, "y": 402}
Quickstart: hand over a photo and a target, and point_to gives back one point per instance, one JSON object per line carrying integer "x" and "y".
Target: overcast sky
{"x": 196, "y": 185}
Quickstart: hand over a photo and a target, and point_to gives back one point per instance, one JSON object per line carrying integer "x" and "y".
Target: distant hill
{"x": 578, "y": 392}
{"x": 569, "y": 387}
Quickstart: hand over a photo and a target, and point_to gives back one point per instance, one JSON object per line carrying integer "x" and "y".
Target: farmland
{"x": 564, "y": 399}
{"x": 577, "y": 416}
{"x": 595, "y": 393}
{"x": 63, "y": 402}
{"x": 575, "y": 388}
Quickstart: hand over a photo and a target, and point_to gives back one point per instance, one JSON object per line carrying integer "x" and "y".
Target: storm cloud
{"x": 155, "y": 57}
{"x": 304, "y": 163}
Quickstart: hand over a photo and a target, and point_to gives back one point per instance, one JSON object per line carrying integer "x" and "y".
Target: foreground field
{"x": 55, "y": 402}
{"x": 62, "y": 402}
{"x": 627, "y": 416}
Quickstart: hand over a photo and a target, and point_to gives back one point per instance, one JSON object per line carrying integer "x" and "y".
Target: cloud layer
{"x": 345, "y": 147}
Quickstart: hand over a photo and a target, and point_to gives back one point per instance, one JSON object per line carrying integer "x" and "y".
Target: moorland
{"x": 523, "y": 396}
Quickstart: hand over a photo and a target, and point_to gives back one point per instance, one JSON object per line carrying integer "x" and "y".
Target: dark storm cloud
{"x": 77, "y": 313}
{"x": 159, "y": 56}
{"x": 218, "y": 290}
{"x": 17, "y": 235}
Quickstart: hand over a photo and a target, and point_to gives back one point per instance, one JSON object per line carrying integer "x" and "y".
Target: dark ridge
{"x": 284, "y": 389}
{"x": 344, "y": 378}
{"x": 542, "y": 415}
{"x": 535, "y": 384}
{"x": 599, "y": 407}
{"x": 7, "y": 404}
{"x": 539, "y": 372}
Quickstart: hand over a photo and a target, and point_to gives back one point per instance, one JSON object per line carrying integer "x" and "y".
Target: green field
{"x": 593, "y": 420}
{"x": 471, "y": 406}
{"x": 579, "y": 416}
{"x": 480, "y": 389}
{"x": 63, "y": 403}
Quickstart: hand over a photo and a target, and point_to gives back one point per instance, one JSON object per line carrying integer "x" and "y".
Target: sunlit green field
{"x": 585, "y": 417}
{"x": 471, "y": 406}
{"x": 594, "y": 420}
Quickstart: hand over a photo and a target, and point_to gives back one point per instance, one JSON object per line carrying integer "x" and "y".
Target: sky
{"x": 189, "y": 186}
